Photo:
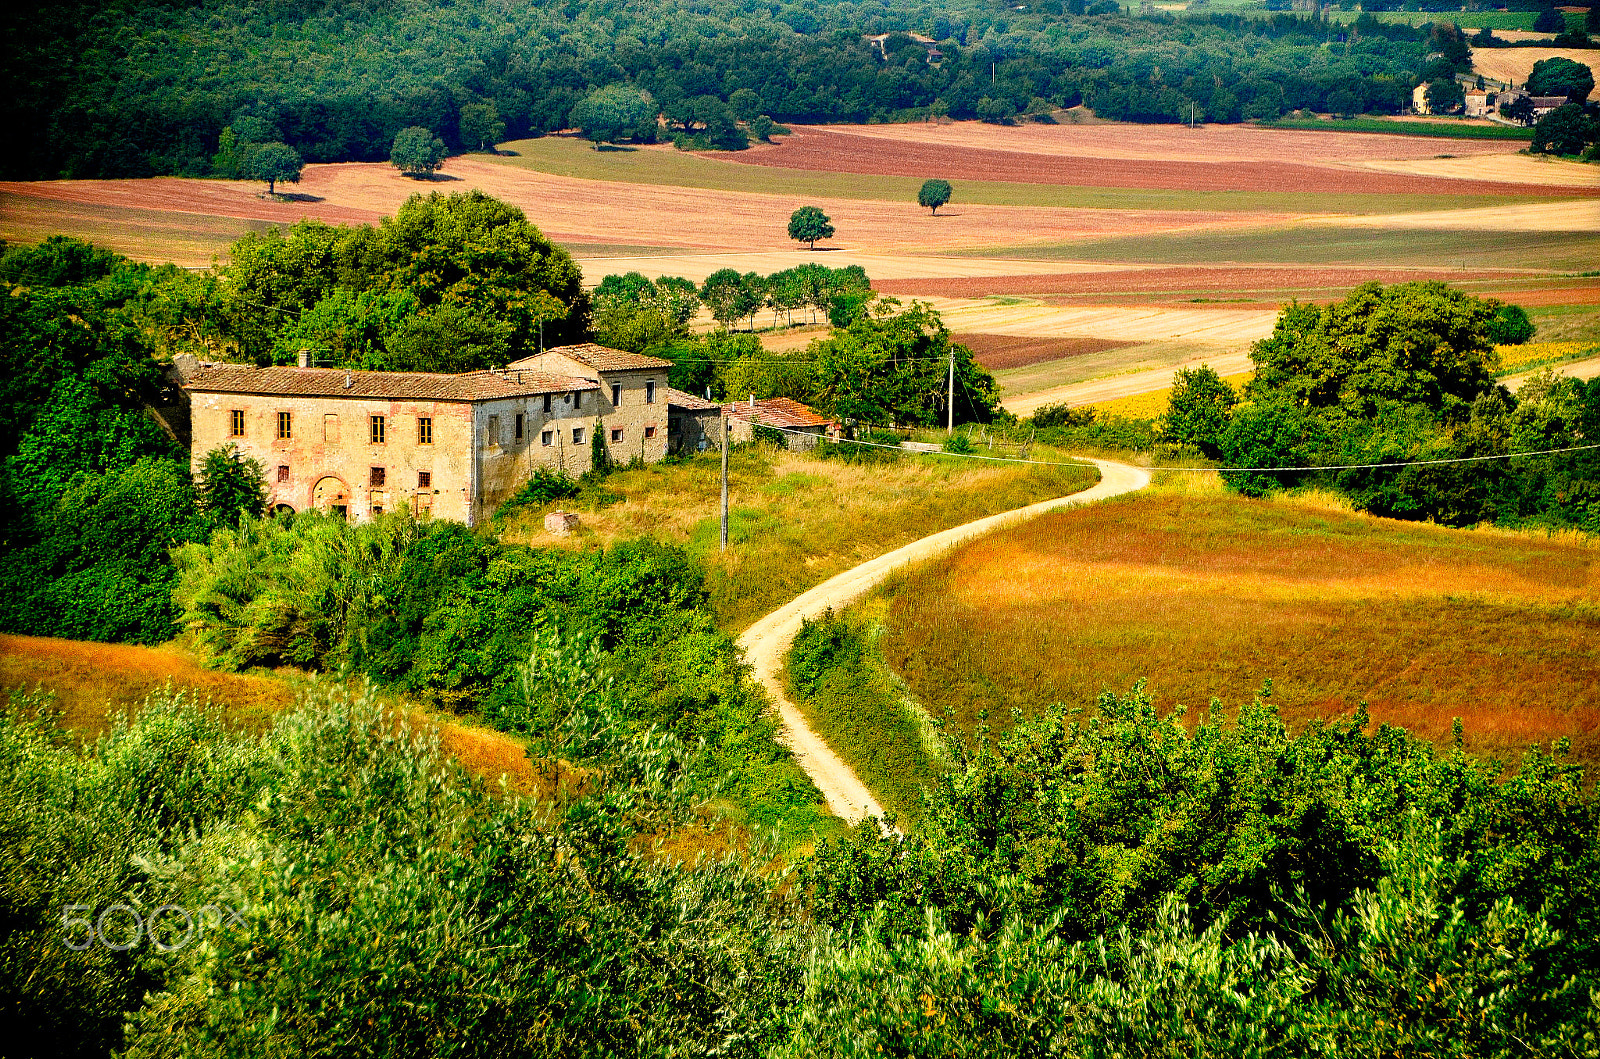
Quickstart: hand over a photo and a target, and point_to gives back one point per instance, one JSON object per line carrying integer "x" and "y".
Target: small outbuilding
{"x": 803, "y": 426}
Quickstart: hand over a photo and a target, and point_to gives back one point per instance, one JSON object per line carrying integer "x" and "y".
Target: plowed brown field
{"x": 1286, "y": 281}
{"x": 836, "y": 151}
{"x": 998, "y": 352}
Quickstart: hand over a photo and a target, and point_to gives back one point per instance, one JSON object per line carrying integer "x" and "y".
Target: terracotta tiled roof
{"x": 777, "y": 412}
{"x": 600, "y": 358}
{"x": 412, "y": 385}
{"x": 689, "y": 401}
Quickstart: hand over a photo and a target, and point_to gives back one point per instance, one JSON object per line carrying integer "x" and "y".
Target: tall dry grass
{"x": 796, "y": 520}
{"x": 1209, "y": 596}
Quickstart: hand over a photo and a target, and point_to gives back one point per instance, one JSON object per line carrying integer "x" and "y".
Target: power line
{"x": 1155, "y": 470}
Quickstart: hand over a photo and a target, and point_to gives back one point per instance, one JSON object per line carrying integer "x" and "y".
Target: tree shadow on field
{"x": 614, "y": 147}
{"x": 437, "y": 178}
{"x": 299, "y": 196}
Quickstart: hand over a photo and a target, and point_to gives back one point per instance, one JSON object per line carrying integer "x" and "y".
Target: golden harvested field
{"x": 1210, "y": 595}
{"x": 1515, "y": 64}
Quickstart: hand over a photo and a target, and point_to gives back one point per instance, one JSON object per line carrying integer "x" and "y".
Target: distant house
{"x": 1419, "y": 99}
{"x": 803, "y": 426}
{"x": 1479, "y": 104}
{"x": 632, "y": 414}
{"x": 1543, "y": 105}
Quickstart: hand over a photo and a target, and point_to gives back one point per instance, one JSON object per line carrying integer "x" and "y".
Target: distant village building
{"x": 359, "y": 443}
{"x": 1479, "y": 104}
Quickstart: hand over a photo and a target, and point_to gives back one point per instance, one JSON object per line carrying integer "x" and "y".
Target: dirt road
{"x": 767, "y": 640}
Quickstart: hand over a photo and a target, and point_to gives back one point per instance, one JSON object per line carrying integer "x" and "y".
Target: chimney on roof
{"x": 305, "y": 358}
{"x": 347, "y": 381}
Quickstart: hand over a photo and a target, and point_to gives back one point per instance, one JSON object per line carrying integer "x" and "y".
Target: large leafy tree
{"x": 1559, "y": 76}
{"x": 481, "y": 125}
{"x": 933, "y": 194}
{"x": 1413, "y": 343}
{"x": 1198, "y": 409}
{"x": 1568, "y": 129}
{"x": 416, "y": 152}
{"x": 272, "y": 162}
{"x": 614, "y": 113}
{"x": 462, "y": 268}
{"x": 890, "y": 366}
{"x": 808, "y": 224}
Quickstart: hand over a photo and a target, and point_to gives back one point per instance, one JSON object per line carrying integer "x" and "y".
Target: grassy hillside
{"x": 1209, "y": 595}
{"x": 796, "y": 520}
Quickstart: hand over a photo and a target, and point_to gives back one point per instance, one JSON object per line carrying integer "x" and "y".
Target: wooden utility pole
{"x": 724, "y": 483}
{"x": 950, "y": 397}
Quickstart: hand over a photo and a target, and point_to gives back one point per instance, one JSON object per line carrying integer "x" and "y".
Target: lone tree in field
{"x": 272, "y": 162}
{"x": 417, "y": 152}
{"x": 933, "y": 194}
{"x": 1198, "y": 409}
{"x": 808, "y": 224}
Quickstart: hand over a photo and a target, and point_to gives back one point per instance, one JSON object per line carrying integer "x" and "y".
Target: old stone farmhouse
{"x": 363, "y": 442}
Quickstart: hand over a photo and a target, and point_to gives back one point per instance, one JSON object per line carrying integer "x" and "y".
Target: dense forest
{"x": 140, "y": 88}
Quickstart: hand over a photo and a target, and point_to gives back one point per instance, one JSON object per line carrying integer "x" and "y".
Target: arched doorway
{"x": 331, "y": 495}
{"x": 282, "y": 509}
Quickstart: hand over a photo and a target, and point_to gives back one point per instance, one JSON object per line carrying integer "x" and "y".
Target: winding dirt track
{"x": 766, "y": 641}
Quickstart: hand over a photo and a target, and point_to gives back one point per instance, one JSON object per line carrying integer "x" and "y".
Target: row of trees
{"x": 1402, "y": 375}
{"x": 151, "y": 88}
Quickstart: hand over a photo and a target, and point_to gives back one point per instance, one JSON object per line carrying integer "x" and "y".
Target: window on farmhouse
{"x": 377, "y": 430}
{"x": 330, "y": 427}
{"x": 649, "y": 432}
{"x": 577, "y": 435}
{"x": 424, "y": 430}
{"x": 577, "y": 399}
{"x": 424, "y": 479}
{"x": 616, "y": 395}
{"x": 616, "y": 434}
{"x": 491, "y": 433}
{"x": 377, "y": 477}
{"x": 547, "y": 438}
{"x": 549, "y": 402}
{"x": 285, "y": 426}
{"x": 236, "y": 423}
{"x": 650, "y": 392}
{"x": 519, "y": 426}
{"x": 283, "y": 472}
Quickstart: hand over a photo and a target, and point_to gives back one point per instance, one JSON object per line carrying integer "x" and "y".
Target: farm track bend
{"x": 766, "y": 642}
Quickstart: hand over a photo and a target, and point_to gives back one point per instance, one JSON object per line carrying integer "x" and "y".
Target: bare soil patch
{"x": 1285, "y": 282}
{"x": 998, "y": 352}
{"x": 855, "y": 151}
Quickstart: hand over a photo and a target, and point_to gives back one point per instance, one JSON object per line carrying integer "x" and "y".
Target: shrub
{"x": 545, "y": 487}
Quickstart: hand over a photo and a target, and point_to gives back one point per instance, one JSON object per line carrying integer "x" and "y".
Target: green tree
{"x": 272, "y": 162}
{"x": 808, "y": 224}
{"x": 416, "y": 152}
{"x": 1420, "y": 344}
{"x": 933, "y": 194}
{"x": 1560, "y": 76}
{"x": 1198, "y": 409}
{"x": 232, "y": 486}
{"x": 1565, "y": 130}
{"x": 761, "y": 128}
{"x": 890, "y": 366}
{"x": 1445, "y": 96}
{"x": 614, "y": 113}
{"x": 1549, "y": 20}
{"x": 481, "y": 125}
{"x": 1510, "y": 325}
{"x": 723, "y": 294}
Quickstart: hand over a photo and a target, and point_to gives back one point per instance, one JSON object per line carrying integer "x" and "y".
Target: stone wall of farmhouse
{"x": 634, "y": 427}
{"x": 454, "y": 459}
